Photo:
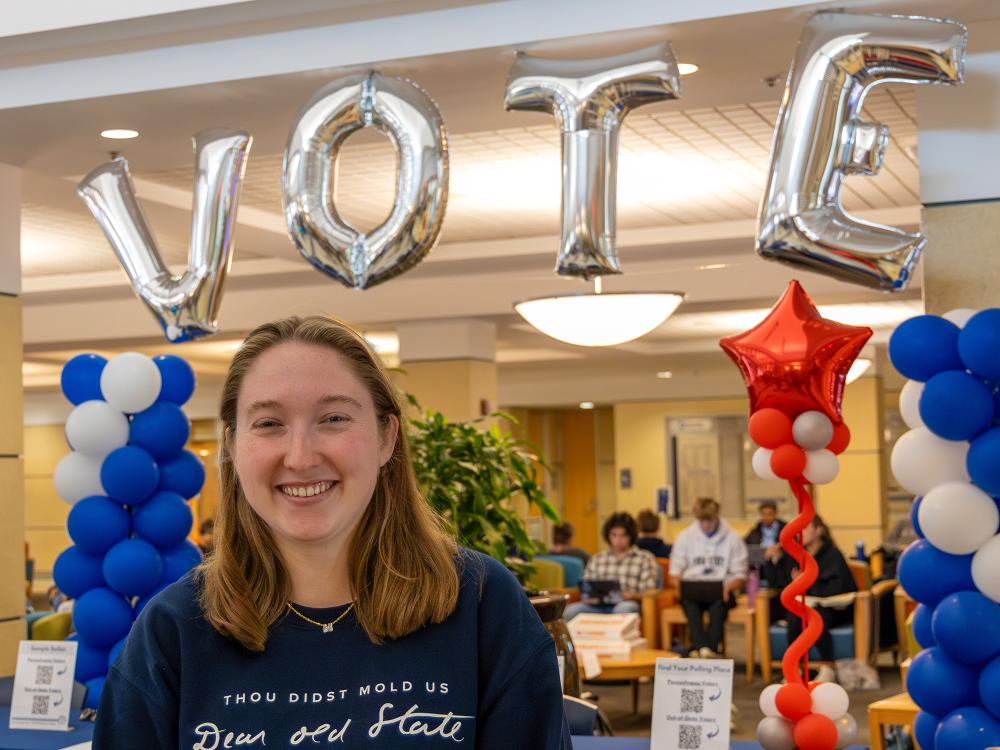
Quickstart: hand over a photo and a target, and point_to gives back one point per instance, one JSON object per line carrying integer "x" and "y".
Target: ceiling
{"x": 690, "y": 177}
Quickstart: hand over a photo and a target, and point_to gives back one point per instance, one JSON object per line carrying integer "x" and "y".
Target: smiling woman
{"x": 333, "y": 591}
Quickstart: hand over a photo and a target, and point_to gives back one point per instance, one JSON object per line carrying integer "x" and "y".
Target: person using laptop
{"x": 633, "y": 568}
{"x": 708, "y": 564}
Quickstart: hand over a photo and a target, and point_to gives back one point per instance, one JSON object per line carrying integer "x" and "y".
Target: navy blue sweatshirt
{"x": 484, "y": 678}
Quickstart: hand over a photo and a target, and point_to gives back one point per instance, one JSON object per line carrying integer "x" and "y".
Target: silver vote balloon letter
{"x": 186, "y": 306}
{"x": 591, "y": 98}
{"x": 819, "y": 139}
{"x": 410, "y": 118}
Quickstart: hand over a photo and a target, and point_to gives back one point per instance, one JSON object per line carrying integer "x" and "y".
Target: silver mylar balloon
{"x": 819, "y": 140}
{"x": 186, "y": 306}
{"x": 410, "y": 118}
{"x": 847, "y": 731}
{"x": 774, "y": 733}
{"x": 591, "y": 98}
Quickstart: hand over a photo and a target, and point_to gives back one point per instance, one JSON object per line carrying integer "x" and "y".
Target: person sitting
{"x": 708, "y": 550}
{"x": 562, "y": 543}
{"x": 633, "y": 568}
{"x": 765, "y": 534}
{"x": 649, "y": 539}
{"x": 834, "y": 578}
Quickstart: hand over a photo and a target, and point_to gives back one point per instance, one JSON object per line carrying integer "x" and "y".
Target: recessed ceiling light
{"x": 686, "y": 69}
{"x": 664, "y": 374}
{"x": 586, "y": 404}
{"x": 713, "y": 266}
{"x": 120, "y": 134}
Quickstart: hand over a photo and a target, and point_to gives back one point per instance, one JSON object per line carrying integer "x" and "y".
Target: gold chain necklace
{"x": 327, "y": 626}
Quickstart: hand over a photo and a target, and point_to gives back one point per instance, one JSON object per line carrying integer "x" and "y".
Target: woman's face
{"x": 809, "y": 535}
{"x": 308, "y": 446}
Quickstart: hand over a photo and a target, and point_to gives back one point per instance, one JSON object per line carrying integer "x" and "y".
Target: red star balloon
{"x": 796, "y": 360}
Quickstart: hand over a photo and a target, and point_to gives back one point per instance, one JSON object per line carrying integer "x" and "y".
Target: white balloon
{"x": 831, "y": 700}
{"x": 822, "y": 467}
{"x": 78, "y": 476}
{"x": 921, "y": 461}
{"x": 812, "y": 430}
{"x": 761, "y": 462}
{"x": 95, "y": 429}
{"x": 131, "y": 382}
{"x": 909, "y": 404}
{"x": 774, "y": 733}
{"x": 958, "y": 517}
{"x": 847, "y": 731}
{"x": 960, "y": 315}
{"x": 766, "y": 700}
{"x": 986, "y": 569}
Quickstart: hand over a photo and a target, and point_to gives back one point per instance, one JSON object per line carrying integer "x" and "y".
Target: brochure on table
{"x": 692, "y": 704}
{"x": 43, "y": 685}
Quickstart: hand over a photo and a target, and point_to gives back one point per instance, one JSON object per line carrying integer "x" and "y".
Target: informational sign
{"x": 43, "y": 685}
{"x": 692, "y": 704}
{"x": 663, "y": 500}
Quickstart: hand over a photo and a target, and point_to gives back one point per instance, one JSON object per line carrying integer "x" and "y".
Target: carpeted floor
{"x": 616, "y": 700}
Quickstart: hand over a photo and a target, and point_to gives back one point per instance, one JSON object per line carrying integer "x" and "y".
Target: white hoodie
{"x": 696, "y": 556}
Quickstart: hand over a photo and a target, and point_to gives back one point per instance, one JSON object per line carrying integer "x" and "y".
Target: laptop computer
{"x": 607, "y": 591}
{"x": 703, "y": 592}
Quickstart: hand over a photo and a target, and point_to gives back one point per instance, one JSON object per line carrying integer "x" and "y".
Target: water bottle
{"x": 753, "y": 586}
{"x": 859, "y": 550}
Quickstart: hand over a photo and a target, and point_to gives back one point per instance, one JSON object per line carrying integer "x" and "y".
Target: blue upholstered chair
{"x": 572, "y": 568}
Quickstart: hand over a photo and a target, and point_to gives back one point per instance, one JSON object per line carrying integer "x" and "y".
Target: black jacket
{"x": 756, "y": 535}
{"x": 834, "y": 574}
{"x": 655, "y": 545}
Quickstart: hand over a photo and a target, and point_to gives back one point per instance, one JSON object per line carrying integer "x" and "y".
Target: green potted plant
{"x": 472, "y": 477}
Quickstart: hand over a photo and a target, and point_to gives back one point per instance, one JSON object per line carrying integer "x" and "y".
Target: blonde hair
{"x": 705, "y": 507}
{"x": 403, "y": 565}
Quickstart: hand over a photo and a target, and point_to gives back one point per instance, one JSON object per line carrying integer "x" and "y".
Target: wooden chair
{"x": 903, "y": 606}
{"x": 897, "y": 710}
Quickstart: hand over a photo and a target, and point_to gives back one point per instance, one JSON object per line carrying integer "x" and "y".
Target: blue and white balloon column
{"x": 128, "y": 478}
{"x": 950, "y": 459}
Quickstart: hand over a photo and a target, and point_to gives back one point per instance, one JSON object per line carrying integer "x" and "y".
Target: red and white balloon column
{"x": 795, "y": 364}
{"x": 128, "y": 478}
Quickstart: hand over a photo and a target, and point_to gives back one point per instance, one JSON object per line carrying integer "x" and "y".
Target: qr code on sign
{"x": 692, "y": 701}
{"x": 39, "y": 704}
{"x": 690, "y": 737}
{"x": 43, "y": 676}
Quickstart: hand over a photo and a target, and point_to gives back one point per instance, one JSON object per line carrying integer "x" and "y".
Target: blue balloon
{"x": 956, "y": 406}
{"x": 983, "y": 461}
{"x": 967, "y": 627}
{"x": 133, "y": 567}
{"x": 180, "y": 560}
{"x": 94, "y": 689}
{"x": 183, "y": 474}
{"x": 938, "y": 684}
{"x": 115, "y": 652}
{"x": 102, "y": 618}
{"x": 923, "y": 346}
{"x": 178, "y": 379}
{"x": 163, "y": 429}
{"x": 915, "y": 517}
{"x": 164, "y": 520}
{"x": 989, "y": 687}
{"x": 924, "y": 727}
{"x": 143, "y": 601}
{"x": 75, "y": 572}
{"x": 129, "y": 475}
{"x": 90, "y": 662}
{"x": 81, "y": 378}
{"x": 979, "y": 342}
{"x": 97, "y": 524}
{"x": 929, "y": 575}
{"x": 968, "y": 728}
{"x": 922, "y": 630}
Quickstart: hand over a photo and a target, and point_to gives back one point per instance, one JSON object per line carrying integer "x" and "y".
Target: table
{"x": 642, "y": 663}
{"x": 642, "y": 743}
{"x": 33, "y": 739}
{"x": 899, "y": 709}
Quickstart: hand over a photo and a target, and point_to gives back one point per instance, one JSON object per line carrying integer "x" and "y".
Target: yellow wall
{"x": 453, "y": 387}
{"x": 12, "y": 593}
{"x": 44, "y": 511}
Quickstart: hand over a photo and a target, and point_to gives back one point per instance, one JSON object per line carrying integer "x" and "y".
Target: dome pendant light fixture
{"x": 599, "y": 319}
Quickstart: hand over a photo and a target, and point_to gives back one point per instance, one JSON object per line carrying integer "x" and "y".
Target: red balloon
{"x": 794, "y": 701}
{"x": 788, "y": 461}
{"x": 770, "y": 428}
{"x": 840, "y": 440}
{"x": 815, "y": 732}
{"x": 796, "y": 360}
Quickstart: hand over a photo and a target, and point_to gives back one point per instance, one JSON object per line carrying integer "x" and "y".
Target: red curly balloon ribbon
{"x": 798, "y": 651}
